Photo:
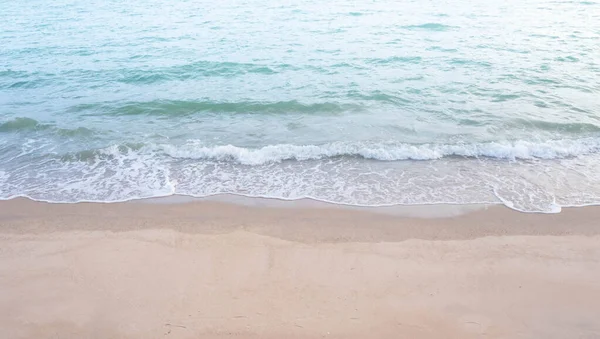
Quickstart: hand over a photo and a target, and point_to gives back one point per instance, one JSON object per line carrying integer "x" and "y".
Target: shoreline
{"x": 427, "y": 210}
{"x": 428, "y": 222}
{"x": 214, "y": 269}
{"x": 433, "y": 210}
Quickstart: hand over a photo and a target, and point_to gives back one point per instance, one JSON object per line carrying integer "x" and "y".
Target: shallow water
{"x": 361, "y": 102}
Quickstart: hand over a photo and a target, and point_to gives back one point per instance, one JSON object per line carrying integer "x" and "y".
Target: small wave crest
{"x": 552, "y": 149}
{"x": 185, "y": 107}
{"x": 196, "y": 70}
{"x": 108, "y": 153}
{"x": 131, "y": 171}
{"x": 431, "y": 26}
{"x": 18, "y": 124}
{"x": 22, "y": 124}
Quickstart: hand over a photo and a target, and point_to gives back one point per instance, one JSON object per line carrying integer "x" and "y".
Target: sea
{"x": 354, "y": 102}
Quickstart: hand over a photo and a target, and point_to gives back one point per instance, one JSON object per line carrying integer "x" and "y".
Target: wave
{"x": 18, "y": 124}
{"x": 395, "y": 59}
{"x": 108, "y": 153}
{"x": 196, "y": 70}
{"x": 29, "y": 84}
{"x": 379, "y": 96}
{"x": 22, "y": 124}
{"x": 468, "y": 62}
{"x": 524, "y": 150}
{"x": 133, "y": 171}
{"x": 185, "y": 107}
{"x": 17, "y": 80}
{"x": 11, "y": 79}
{"x": 429, "y": 27}
{"x": 556, "y": 127}
{"x": 23, "y": 79}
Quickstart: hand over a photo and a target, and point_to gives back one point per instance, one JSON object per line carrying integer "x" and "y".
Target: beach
{"x": 216, "y": 269}
{"x": 299, "y": 169}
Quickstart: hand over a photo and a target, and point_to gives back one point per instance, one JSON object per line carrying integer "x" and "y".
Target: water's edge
{"x": 420, "y": 210}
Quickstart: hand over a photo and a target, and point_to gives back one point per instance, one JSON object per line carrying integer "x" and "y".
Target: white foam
{"x": 520, "y": 149}
{"x": 121, "y": 173}
{"x": 3, "y": 178}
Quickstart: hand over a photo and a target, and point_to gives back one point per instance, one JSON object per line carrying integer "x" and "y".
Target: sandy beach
{"x": 220, "y": 270}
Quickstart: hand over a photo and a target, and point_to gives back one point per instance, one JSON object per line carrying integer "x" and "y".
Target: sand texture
{"x": 217, "y": 270}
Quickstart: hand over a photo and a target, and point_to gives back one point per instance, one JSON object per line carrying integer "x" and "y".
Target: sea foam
{"x": 385, "y": 151}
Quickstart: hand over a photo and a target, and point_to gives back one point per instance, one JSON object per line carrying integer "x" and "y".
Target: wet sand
{"x": 213, "y": 269}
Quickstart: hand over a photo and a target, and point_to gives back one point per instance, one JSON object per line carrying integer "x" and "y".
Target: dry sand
{"x": 218, "y": 270}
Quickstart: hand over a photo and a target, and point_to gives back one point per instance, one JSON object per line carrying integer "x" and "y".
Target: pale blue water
{"x": 354, "y": 102}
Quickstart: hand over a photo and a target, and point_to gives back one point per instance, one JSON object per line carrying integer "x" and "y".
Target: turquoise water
{"x": 353, "y": 102}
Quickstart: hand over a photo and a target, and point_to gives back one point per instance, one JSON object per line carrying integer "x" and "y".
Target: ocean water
{"x": 354, "y": 102}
